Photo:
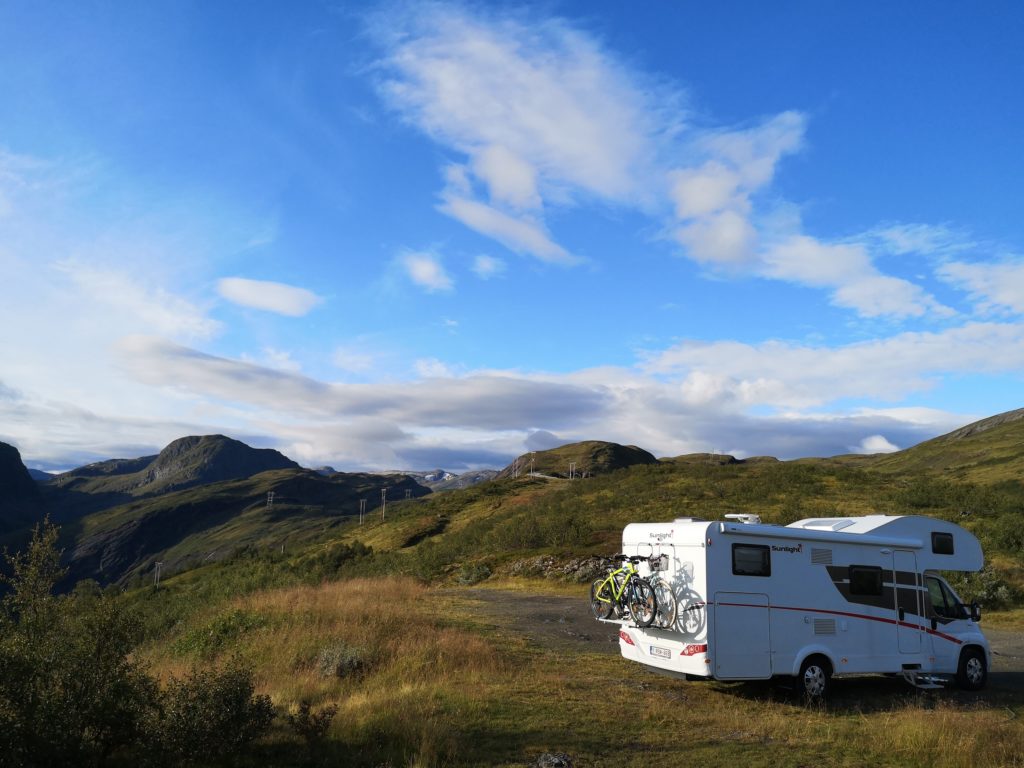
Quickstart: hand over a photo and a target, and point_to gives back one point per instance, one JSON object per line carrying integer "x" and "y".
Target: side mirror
{"x": 975, "y": 612}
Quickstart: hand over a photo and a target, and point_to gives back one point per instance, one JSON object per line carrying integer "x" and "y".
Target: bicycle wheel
{"x": 601, "y": 600}
{"x": 643, "y": 605}
{"x": 666, "y": 617}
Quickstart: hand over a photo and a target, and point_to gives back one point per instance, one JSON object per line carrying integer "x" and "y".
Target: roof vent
{"x": 829, "y": 523}
{"x": 745, "y": 519}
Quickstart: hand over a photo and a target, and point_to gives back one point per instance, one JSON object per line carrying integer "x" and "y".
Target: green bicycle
{"x": 624, "y": 592}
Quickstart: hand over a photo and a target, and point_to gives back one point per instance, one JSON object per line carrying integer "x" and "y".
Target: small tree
{"x": 69, "y": 694}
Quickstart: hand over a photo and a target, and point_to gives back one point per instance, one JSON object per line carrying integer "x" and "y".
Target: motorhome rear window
{"x": 942, "y": 543}
{"x": 751, "y": 560}
{"x": 865, "y": 580}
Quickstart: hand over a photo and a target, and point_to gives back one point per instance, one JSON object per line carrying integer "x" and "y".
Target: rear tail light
{"x": 626, "y": 637}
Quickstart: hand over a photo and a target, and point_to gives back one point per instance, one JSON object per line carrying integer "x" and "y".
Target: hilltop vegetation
{"x": 584, "y": 459}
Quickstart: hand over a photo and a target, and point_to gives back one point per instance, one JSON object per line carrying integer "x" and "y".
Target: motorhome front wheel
{"x": 815, "y": 674}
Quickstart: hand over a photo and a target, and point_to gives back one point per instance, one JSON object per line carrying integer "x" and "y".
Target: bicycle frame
{"x": 618, "y": 586}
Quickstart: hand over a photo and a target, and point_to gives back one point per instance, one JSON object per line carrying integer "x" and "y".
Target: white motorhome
{"x": 813, "y": 599}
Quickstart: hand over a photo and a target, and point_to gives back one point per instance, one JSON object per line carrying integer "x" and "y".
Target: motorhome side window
{"x": 865, "y": 580}
{"x": 751, "y": 560}
{"x": 942, "y": 543}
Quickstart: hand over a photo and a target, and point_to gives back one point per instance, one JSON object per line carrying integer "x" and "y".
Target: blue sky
{"x": 418, "y": 235}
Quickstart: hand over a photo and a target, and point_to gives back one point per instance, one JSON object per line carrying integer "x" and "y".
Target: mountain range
{"x": 204, "y": 498}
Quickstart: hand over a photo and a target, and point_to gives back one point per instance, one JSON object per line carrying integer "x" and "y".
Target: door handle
{"x": 935, "y": 624}
{"x": 903, "y": 614}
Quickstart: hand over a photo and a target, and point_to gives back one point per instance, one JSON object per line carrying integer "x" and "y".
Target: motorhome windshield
{"x": 944, "y": 601}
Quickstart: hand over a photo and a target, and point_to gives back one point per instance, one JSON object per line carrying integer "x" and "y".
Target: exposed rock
{"x": 20, "y": 501}
{"x": 577, "y": 569}
{"x": 553, "y": 760}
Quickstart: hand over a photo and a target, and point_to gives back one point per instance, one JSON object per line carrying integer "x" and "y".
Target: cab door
{"x": 947, "y": 623}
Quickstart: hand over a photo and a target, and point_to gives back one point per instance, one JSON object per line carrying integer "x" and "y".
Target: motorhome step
{"x": 922, "y": 681}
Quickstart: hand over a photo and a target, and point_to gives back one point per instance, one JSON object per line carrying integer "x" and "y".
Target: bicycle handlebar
{"x": 632, "y": 558}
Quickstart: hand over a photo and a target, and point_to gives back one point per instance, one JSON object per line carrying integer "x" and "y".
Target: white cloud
{"x": 426, "y": 271}
{"x": 544, "y": 92}
{"x": 487, "y": 267}
{"x": 431, "y": 368}
{"x": 926, "y": 239}
{"x": 874, "y": 444}
{"x": 269, "y": 296}
{"x": 539, "y": 110}
{"x": 789, "y": 375}
{"x": 544, "y": 115}
{"x": 721, "y": 238}
{"x": 152, "y": 308}
{"x": 995, "y": 286}
{"x": 510, "y": 179}
{"x": 354, "y": 359}
{"x": 847, "y": 269}
{"x": 521, "y": 235}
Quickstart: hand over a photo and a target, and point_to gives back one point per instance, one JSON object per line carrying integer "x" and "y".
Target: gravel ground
{"x": 564, "y": 623}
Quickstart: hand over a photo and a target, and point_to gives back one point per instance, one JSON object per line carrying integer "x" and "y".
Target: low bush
{"x": 341, "y": 660}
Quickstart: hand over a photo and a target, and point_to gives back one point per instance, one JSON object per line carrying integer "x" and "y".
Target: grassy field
{"x": 419, "y": 679}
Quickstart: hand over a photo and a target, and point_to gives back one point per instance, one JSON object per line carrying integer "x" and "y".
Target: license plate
{"x": 663, "y": 653}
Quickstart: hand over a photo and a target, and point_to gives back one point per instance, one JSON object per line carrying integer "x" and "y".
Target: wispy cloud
{"x": 487, "y": 267}
{"x": 279, "y": 298}
{"x": 545, "y": 116}
{"x": 426, "y": 271}
{"x": 996, "y": 287}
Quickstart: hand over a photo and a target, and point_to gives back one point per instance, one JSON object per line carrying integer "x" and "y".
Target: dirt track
{"x": 564, "y": 623}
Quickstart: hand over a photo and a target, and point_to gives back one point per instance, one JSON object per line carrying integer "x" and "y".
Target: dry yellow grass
{"x": 441, "y": 686}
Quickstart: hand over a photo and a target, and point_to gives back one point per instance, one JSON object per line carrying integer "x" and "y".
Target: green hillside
{"x": 184, "y": 463}
{"x": 989, "y": 451}
{"x": 186, "y": 528}
{"x": 587, "y": 458}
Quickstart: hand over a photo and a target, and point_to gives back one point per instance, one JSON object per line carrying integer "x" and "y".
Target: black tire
{"x": 815, "y": 678}
{"x": 643, "y": 605}
{"x": 601, "y": 600}
{"x": 972, "y": 674}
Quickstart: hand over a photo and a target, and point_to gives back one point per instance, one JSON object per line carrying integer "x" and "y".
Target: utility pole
{"x": 572, "y": 470}
{"x": 408, "y": 493}
{"x": 156, "y": 574}
{"x": 383, "y": 501}
{"x": 532, "y": 473}
{"x": 362, "y": 510}
{"x": 270, "y": 499}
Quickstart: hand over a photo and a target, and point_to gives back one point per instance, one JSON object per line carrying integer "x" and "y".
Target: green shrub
{"x": 312, "y": 726}
{"x": 212, "y": 638}
{"x": 341, "y": 660}
{"x": 473, "y": 573}
{"x": 207, "y": 716}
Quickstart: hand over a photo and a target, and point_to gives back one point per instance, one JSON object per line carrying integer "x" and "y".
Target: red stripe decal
{"x": 918, "y": 627}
